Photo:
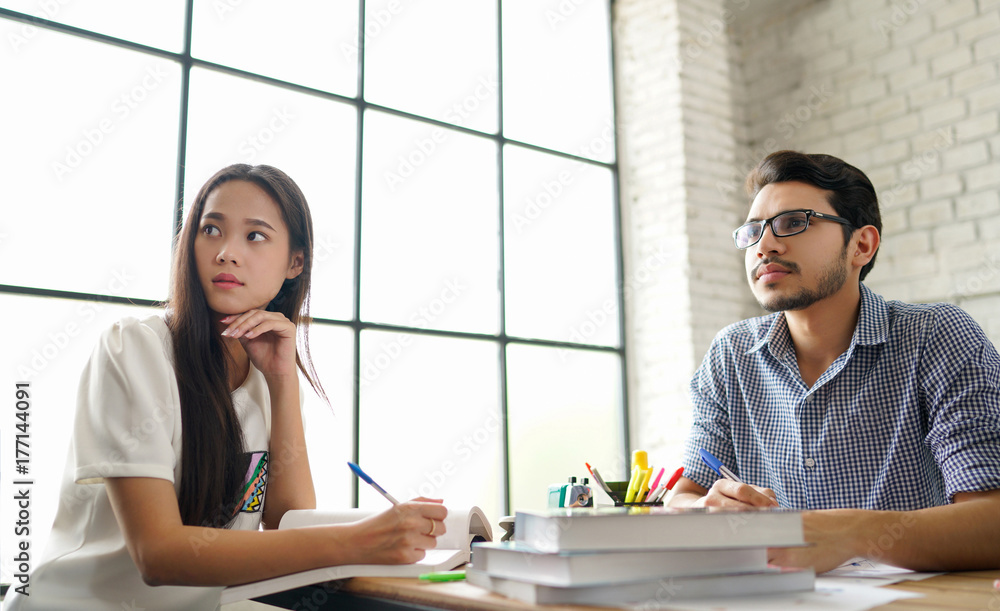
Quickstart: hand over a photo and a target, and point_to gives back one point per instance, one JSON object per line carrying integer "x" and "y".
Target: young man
{"x": 883, "y": 418}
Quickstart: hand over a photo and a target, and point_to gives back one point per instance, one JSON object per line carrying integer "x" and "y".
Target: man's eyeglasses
{"x": 782, "y": 225}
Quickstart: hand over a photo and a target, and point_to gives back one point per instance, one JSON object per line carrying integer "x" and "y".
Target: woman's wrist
{"x": 343, "y": 550}
{"x": 282, "y": 383}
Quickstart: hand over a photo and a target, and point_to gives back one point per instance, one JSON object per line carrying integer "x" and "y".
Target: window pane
{"x": 557, "y": 76}
{"x": 430, "y": 420}
{"x": 157, "y": 23}
{"x": 50, "y": 354}
{"x": 436, "y": 59}
{"x": 429, "y": 232}
{"x": 559, "y": 252}
{"x": 563, "y": 410}
{"x": 330, "y": 428}
{"x": 236, "y": 120}
{"x": 77, "y": 130}
{"x": 308, "y": 42}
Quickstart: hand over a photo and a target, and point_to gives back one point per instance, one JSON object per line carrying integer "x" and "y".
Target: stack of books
{"x": 647, "y": 555}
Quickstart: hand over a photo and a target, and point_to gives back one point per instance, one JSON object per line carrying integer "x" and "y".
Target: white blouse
{"x": 128, "y": 424}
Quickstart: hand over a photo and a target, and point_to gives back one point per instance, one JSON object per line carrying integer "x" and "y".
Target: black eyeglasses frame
{"x": 764, "y": 223}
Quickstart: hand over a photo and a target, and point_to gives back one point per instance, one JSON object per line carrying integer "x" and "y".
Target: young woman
{"x": 188, "y": 434}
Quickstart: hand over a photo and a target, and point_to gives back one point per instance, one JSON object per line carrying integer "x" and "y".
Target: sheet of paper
{"x": 833, "y": 597}
{"x": 869, "y": 572}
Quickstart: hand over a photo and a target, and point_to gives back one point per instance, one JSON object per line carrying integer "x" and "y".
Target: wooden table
{"x": 969, "y": 590}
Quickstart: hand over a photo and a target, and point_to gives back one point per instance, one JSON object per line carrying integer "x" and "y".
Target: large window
{"x": 459, "y": 159}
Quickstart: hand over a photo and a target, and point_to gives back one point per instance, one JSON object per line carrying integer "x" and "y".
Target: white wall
{"x": 908, "y": 91}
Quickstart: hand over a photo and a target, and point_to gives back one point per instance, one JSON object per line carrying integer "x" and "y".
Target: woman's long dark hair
{"x": 213, "y": 465}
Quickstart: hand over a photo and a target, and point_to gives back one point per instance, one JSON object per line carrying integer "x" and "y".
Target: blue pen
{"x": 718, "y": 467}
{"x": 364, "y": 476}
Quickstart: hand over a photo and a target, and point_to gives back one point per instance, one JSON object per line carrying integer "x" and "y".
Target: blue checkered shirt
{"x": 905, "y": 418}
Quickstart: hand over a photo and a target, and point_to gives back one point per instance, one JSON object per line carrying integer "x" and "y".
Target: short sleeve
{"x": 127, "y": 406}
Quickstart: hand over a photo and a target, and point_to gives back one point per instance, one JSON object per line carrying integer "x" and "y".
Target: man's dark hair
{"x": 851, "y": 193}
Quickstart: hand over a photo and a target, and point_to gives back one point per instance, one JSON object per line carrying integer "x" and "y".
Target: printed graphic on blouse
{"x": 252, "y": 498}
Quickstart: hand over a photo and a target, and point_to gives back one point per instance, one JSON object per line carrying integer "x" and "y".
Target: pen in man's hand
{"x": 718, "y": 467}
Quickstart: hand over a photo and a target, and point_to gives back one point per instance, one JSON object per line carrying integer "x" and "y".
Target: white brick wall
{"x": 677, "y": 126}
{"x": 907, "y": 90}
{"x": 931, "y": 90}
{"x": 654, "y": 215}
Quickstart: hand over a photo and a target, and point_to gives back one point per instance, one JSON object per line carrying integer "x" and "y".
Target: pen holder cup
{"x": 620, "y": 488}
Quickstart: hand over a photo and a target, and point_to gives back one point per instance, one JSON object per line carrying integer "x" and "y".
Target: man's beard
{"x": 833, "y": 278}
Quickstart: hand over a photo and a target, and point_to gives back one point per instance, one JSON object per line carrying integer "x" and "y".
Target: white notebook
{"x": 462, "y": 527}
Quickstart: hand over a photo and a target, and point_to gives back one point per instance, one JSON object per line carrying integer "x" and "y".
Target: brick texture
{"x": 907, "y": 90}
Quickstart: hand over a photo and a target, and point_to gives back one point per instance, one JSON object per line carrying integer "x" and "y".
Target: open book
{"x": 463, "y": 526}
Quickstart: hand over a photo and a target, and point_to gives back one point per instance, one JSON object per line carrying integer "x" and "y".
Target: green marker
{"x": 443, "y": 576}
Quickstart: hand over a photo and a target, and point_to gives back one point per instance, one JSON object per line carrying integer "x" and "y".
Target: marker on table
{"x": 632, "y": 484}
{"x": 657, "y": 480}
{"x": 443, "y": 576}
{"x": 718, "y": 467}
{"x": 600, "y": 480}
{"x": 661, "y": 490}
{"x": 675, "y": 477}
{"x": 643, "y": 488}
{"x": 364, "y": 476}
{"x": 640, "y": 464}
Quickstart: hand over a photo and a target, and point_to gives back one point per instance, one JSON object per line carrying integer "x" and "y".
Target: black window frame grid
{"x": 501, "y": 339}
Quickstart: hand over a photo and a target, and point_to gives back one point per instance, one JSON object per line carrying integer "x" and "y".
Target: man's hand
{"x": 723, "y": 493}
{"x": 831, "y": 537}
{"x": 734, "y": 495}
{"x": 961, "y": 536}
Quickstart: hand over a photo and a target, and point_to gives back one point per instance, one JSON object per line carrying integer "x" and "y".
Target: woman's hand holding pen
{"x": 400, "y": 534}
{"x": 268, "y": 339}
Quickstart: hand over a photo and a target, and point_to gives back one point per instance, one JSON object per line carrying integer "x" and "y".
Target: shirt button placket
{"x": 808, "y": 428}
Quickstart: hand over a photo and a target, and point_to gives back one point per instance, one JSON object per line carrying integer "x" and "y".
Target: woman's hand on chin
{"x": 268, "y": 339}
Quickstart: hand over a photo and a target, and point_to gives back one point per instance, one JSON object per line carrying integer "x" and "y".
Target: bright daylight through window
{"x": 459, "y": 160}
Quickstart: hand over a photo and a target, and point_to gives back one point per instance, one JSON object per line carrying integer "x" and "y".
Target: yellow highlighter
{"x": 640, "y": 463}
{"x": 640, "y": 459}
{"x": 643, "y": 488}
{"x": 633, "y": 485}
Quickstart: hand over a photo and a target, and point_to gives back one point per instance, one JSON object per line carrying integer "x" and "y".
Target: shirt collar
{"x": 873, "y": 320}
{"x": 773, "y": 334}
{"x": 872, "y": 328}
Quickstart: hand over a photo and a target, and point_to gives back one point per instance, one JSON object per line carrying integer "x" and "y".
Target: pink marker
{"x": 657, "y": 480}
